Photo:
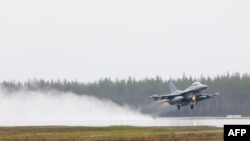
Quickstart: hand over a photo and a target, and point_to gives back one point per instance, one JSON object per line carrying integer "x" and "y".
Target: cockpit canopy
{"x": 196, "y": 84}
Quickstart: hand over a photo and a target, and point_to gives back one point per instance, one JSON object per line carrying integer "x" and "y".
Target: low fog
{"x": 53, "y": 107}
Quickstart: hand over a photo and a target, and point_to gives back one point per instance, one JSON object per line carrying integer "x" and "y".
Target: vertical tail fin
{"x": 171, "y": 86}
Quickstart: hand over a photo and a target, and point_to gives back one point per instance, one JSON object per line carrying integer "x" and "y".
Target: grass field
{"x": 112, "y": 133}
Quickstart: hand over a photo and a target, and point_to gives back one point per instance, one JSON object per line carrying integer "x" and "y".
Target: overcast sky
{"x": 86, "y": 40}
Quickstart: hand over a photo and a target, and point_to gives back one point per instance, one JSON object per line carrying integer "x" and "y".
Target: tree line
{"x": 234, "y": 92}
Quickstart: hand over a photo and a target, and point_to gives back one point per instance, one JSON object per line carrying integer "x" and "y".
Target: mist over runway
{"x": 53, "y": 107}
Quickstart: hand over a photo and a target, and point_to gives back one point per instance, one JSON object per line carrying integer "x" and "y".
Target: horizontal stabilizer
{"x": 161, "y": 101}
{"x": 155, "y": 97}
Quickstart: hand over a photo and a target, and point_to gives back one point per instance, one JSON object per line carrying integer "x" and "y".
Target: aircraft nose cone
{"x": 202, "y": 87}
{"x": 205, "y": 86}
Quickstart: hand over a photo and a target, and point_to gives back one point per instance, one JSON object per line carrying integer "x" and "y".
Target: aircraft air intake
{"x": 176, "y": 99}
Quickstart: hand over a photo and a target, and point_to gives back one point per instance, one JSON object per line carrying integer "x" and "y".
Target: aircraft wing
{"x": 210, "y": 95}
{"x": 204, "y": 96}
{"x": 183, "y": 93}
{"x": 162, "y": 98}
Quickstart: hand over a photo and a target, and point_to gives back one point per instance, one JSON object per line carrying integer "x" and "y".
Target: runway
{"x": 184, "y": 121}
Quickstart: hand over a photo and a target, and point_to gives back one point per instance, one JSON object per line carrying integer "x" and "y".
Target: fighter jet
{"x": 189, "y": 96}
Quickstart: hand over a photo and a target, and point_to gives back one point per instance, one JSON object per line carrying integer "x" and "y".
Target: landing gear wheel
{"x": 178, "y": 107}
{"x": 192, "y": 106}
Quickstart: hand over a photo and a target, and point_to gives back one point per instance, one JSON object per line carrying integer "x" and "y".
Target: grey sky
{"x": 87, "y": 40}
